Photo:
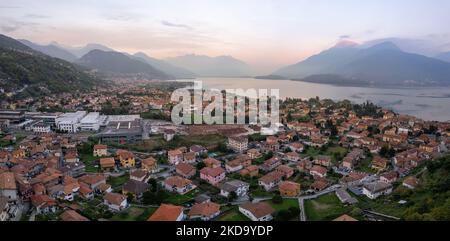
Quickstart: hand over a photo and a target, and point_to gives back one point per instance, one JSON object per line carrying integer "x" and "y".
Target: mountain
{"x": 221, "y": 66}
{"x": 380, "y": 64}
{"x": 81, "y": 51}
{"x": 29, "y": 72}
{"x": 51, "y": 50}
{"x": 444, "y": 56}
{"x": 118, "y": 64}
{"x": 177, "y": 72}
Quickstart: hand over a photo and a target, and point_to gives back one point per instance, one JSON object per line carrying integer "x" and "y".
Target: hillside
{"x": 383, "y": 64}
{"x": 21, "y": 66}
{"x": 118, "y": 64}
{"x": 177, "y": 72}
{"x": 51, "y": 50}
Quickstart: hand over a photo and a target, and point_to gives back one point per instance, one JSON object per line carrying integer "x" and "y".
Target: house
{"x": 198, "y": 150}
{"x": 115, "y": 201}
{"x": 202, "y": 198}
{"x": 175, "y": 156}
{"x": 304, "y": 165}
{"x": 212, "y": 175}
{"x": 135, "y": 188}
{"x": 379, "y": 163}
{"x": 292, "y": 156}
{"x": 270, "y": 180}
{"x": 270, "y": 164}
{"x": 167, "y": 212}
{"x": 212, "y": 162}
{"x": 296, "y": 147}
{"x": 169, "y": 134}
{"x": 251, "y": 171}
{"x": 238, "y": 144}
{"x": 233, "y": 166}
{"x": 100, "y": 150}
{"x": 139, "y": 175}
{"x": 189, "y": 157}
{"x": 345, "y": 218}
{"x": 71, "y": 157}
{"x": 150, "y": 165}
{"x": 126, "y": 159}
{"x": 253, "y": 153}
{"x": 322, "y": 161}
{"x": 376, "y": 189}
{"x": 107, "y": 164}
{"x": 103, "y": 188}
{"x": 411, "y": 182}
{"x": 319, "y": 184}
{"x": 71, "y": 215}
{"x": 185, "y": 170}
{"x": 261, "y": 211}
{"x": 345, "y": 197}
{"x": 85, "y": 192}
{"x": 286, "y": 171}
{"x": 289, "y": 189}
{"x": 318, "y": 171}
{"x": 239, "y": 187}
{"x": 8, "y": 187}
{"x": 389, "y": 177}
{"x": 43, "y": 204}
{"x": 178, "y": 184}
{"x": 4, "y": 208}
{"x": 93, "y": 181}
{"x": 204, "y": 211}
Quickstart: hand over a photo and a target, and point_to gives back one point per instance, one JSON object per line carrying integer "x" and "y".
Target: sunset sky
{"x": 266, "y": 34}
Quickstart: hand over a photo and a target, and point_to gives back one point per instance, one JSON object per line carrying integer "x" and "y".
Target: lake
{"x": 426, "y": 103}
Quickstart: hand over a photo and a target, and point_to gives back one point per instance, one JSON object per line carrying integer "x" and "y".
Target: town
{"x": 113, "y": 154}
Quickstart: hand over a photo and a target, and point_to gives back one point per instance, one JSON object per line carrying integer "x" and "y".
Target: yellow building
{"x": 289, "y": 189}
{"x": 126, "y": 159}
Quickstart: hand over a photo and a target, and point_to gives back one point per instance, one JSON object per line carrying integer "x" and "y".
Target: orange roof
{"x": 287, "y": 185}
{"x": 206, "y": 209}
{"x": 7, "y": 180}
{"x": 345, "y": 217}
{"x": 107, "y": 162}
{"x": 166, "y": 212}
{"x": 100, "y": 147}
{"x": 114, "y": 198}
{"x": 213, "y": 172}
{"x": 71, "y": 215}
{"x": 177, "y": 181}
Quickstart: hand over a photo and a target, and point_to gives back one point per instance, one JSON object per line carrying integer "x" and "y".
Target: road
{"x": 301, "y": 203}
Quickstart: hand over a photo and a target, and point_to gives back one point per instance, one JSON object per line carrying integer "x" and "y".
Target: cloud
{"x": 121, "y": 17}
{"x": 345, "y": 36}
{"x": 9, "y": 25}
{"x": 8, "y": 7}
{"x": 36, "y": 16}
{"x": 175, "y": 25}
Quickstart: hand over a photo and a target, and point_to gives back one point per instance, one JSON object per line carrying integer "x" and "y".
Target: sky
{"x": 266, "y": 34}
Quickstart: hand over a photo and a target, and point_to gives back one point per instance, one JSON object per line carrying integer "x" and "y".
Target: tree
{"x": 232, "y": 196}
{"x": 130, "y": 197}
{"x": 200, "y": 165}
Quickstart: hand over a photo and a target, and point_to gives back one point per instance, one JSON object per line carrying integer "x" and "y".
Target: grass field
{"x": 134, "y": 214}
{"x": 180, "y": 199}
{"x": 90, "y": 162}
{"x": 285, "y": 205}
{"x": 158, "y": 142}
{"x": 117, "y": 182}
{"x": 326, "y": 207}
{"x": 233, "y": 214}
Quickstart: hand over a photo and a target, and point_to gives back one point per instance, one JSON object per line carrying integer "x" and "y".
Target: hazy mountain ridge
{"x": 380, "y": 64}
{"x": 51, "y": 50}
{"x": 115, "y": 63}
{"x": 205, "y": 66}
{"x": 177, "y": 72}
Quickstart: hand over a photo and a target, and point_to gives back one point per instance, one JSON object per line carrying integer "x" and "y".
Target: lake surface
{"x": 427, "y": 103}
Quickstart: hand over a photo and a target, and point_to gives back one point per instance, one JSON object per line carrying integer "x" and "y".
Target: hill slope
{"x": 51, "y": 50}
{"x": 381, "y": 64}
{"x": 177, "y": 72}
{"x": 114, "y": 63}
{"x": 24, "y": 69}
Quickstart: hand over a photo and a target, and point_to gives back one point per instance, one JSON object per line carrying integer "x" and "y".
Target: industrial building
{"x": 93, "y": 121}
{"x": 122, "y": 129}
{"x": 70, "y": 122}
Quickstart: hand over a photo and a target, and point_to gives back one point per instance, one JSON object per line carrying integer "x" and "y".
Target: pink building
{"x": 212, "y": 175}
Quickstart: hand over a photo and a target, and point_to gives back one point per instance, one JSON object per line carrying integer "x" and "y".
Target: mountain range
{"x": 115, "y": 63}
{"x": 29, "y": 72}
{"x": 205, "y": 66}
{"x": 380, "y": 64}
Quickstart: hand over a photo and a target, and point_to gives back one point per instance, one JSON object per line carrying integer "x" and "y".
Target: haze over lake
{"x": 426, "y": 103}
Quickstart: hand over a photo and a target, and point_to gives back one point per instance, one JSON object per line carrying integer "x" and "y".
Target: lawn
{"x": 134, "y": 214}
{"x": 232, "y": 214}
{"x": 90, "y": 162}
{"x": 158, "y": 143}
{"x": 364, "y": 166}
{"x": 326, "y": 207}
{"x": 181, "y": 199}
{"x": 117, "y": 182}
{"x": 260, "y": 192}
{"x": 285, "y": 205}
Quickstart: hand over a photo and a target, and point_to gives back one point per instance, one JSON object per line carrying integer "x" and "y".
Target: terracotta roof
{"x": 166, "y": 212}
{"x": 71, "y": 215}
{"x": 7, "y": 181}
{"x": 138, "y": 173}
{"x": 92, "y": 179}
{"x": 107, "y": 162}
{"x": 42, "y": 200}
{"x": 345, "y": 217}
{"x": 205, "y": 209}
{"x": 135, "y": 187}
{"x": 177, "y": 181}
{"x": 149, "y": 161}
{"x": 258, "y": 210}
{"x": 114, "y": 198}
{"x": 100, "y": 147}
{"x": 185, "y": 168}
{"x": 213, "y": 172}
{"x": 287, "y": 185}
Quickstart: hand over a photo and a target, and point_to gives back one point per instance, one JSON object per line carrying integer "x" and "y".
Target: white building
{"x": 70, "y": 122}
{"x": 239, "y": 187}
{"x": 92, "y": 121}
{"x": 41, "y": 128}
{"x": 257, "y": 211}
{"x": 376, "y": 189}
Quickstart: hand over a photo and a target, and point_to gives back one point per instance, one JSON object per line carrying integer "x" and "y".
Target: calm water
{"x": 426, "y": 103}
